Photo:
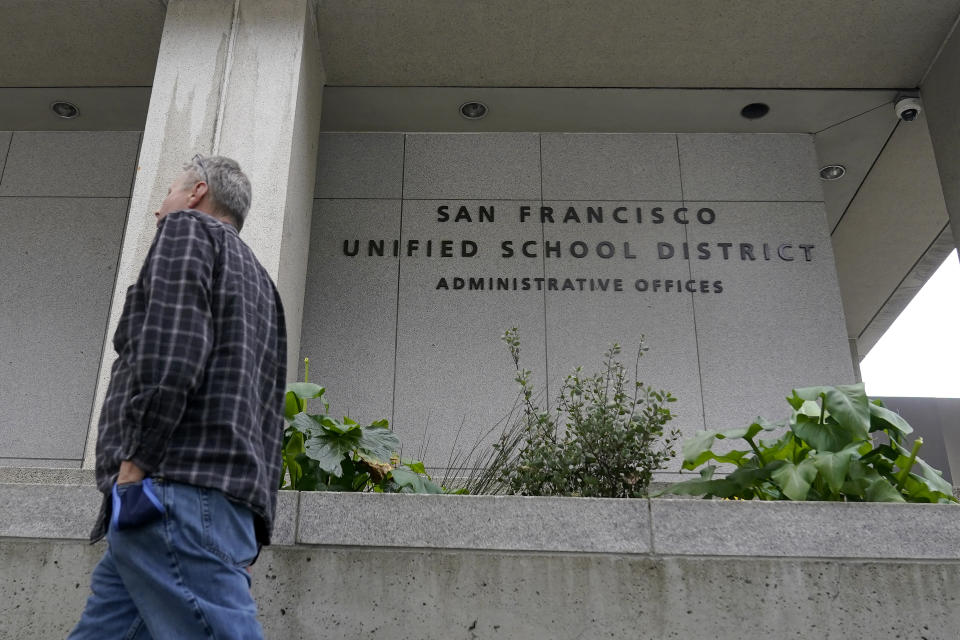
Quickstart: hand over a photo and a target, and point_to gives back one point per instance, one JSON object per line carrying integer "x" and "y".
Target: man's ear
{"x": 197, "y": 193}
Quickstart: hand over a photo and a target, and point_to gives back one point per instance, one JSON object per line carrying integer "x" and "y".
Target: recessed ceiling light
{"x": 65, "y": 109}
{"x": 832, "y": 172}
{"x": 755, "y": 110}
{"x": 473, "y": 110}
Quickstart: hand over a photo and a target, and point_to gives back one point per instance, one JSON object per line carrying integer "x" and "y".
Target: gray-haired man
{"x": 188, "y": 452}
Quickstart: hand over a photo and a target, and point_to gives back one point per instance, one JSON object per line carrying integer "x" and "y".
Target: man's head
{"x": 214, "y": 185}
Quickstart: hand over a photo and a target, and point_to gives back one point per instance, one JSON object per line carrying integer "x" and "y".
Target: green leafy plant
{"x": 321, "y": 453}
{"x": 837, "y": 445}
{"x": 605, "y": 438}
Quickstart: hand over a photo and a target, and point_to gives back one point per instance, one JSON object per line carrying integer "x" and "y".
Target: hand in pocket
{"x": 135, "y": 505}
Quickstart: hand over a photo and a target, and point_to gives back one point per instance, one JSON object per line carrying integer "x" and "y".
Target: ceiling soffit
{"x": 855, "y": 144}
{"x": 624, "y": 43}
{"x": 889, "y": 231}
{"x": 815, "y": 44}
{"x": 79, "y": 43}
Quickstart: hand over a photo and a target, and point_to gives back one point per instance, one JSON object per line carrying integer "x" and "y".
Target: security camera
{"x": 908, "y": 109}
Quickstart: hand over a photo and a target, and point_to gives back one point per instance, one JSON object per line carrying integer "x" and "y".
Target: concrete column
{"x": 244, "y": 79}
{"x": 941, "y": 102}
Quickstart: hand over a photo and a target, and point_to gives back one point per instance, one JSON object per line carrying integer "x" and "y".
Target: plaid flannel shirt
{"x": 196, "y": 392}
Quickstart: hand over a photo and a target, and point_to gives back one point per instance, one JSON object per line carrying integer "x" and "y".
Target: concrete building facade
{"x": 351, "y": 143}
{"x": 640, "y": 168}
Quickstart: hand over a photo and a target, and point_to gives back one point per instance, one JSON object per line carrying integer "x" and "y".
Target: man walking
{"x": 188, "y": 451}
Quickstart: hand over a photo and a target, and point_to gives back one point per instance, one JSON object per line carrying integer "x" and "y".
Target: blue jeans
{"x": 182, "y": 576}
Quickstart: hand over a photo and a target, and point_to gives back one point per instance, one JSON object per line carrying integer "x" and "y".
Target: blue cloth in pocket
{"x": 136, "y": 506}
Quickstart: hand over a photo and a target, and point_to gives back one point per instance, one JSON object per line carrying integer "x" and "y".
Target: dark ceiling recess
{"x": 755, "y": 110}
{"x": 473, "y": 110}
{"x": 65, "y": 109}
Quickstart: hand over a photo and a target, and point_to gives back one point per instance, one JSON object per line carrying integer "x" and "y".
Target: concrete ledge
{"x": 48, "y": 511}
{"x": 659, "y": 527}
{"x": 285, "y": 521}
{"x": 806, "y": 529}
{"x": 42, "y": 475}
{"x": 503, "y": 523}
{"x": 68, "y": 512}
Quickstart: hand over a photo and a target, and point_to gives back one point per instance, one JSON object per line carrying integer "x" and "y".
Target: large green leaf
{"x": 848, "y": 404}
{"x": 919, "y": 490}
{"x": 795, "y": 401}
{"x": 720, "y": 487}
{"x": 786, "y": 447}
{"x": 694, "y": 447}
{"x": 883, "y": 418}
{"x": 756, "y": 427}
{"x": 415, "y": 483}
{"x": 748, "y": 478}
{"x": 824, "y": 437}
{"x": 379, "y": 443}
{"x": 880, "y": 490}
{"x": 833, "y": 466}
{"x": 296, "y": 395}
{"x": 794, "y": 480}
{"x": 932, "y": 477}
{"x": 415, "y": 465}
{"x": 810, "y": 409}
{"x": 735, "y": 457}
{"x": 290, "y": 406}
{"x": 310, "y": 475}
{"x": 306, "y": 423}
{"x": 338, "y": 427}
{"x": 328, "y": 449}
{"x": 693, "y": 487}
{"x": 306, "y": 390}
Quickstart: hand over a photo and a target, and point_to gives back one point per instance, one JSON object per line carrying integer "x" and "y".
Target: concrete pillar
{"x": 941, "y": 102}
{"x": 240, "y": 78}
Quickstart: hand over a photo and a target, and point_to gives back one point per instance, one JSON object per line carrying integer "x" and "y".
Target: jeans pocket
{"x": 228, "y": 529}
{"x": 134, "y": 505}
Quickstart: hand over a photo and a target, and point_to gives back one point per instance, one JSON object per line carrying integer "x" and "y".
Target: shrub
{"x": 604, "y": 439}
{"x": 828, "y": 452}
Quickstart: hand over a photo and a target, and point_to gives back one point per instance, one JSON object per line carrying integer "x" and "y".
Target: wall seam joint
{"x": 105, "y": 343}
{"x": 854, "y": 117}
{"x": 6, "y": 156}
{"x": 543, "y": 262}
{"x": 865, "y": 176}
{"x": 396, "y": 317}
{"x": 693, "y": 300}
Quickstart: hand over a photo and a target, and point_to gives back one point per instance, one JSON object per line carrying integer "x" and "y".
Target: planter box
{"x": 351, "y": 566}
{"x": 661, "y": 526}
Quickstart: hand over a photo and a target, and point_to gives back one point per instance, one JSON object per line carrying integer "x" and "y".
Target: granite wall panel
{"x": 360, "y": 166}
{"x": 455, "y": 378}
{"x": 91, "y": 164}
{"x": 608, "y": 166}
{"x": 501, "y": 166}
{"x": 58, "y": 257}
{"x": 778, "y": 323}
{"x": 749, "y": 167}
{"x": 350, "y": 305}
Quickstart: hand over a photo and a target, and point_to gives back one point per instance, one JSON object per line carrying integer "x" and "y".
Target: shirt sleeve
{"x": 175, "y": 339}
